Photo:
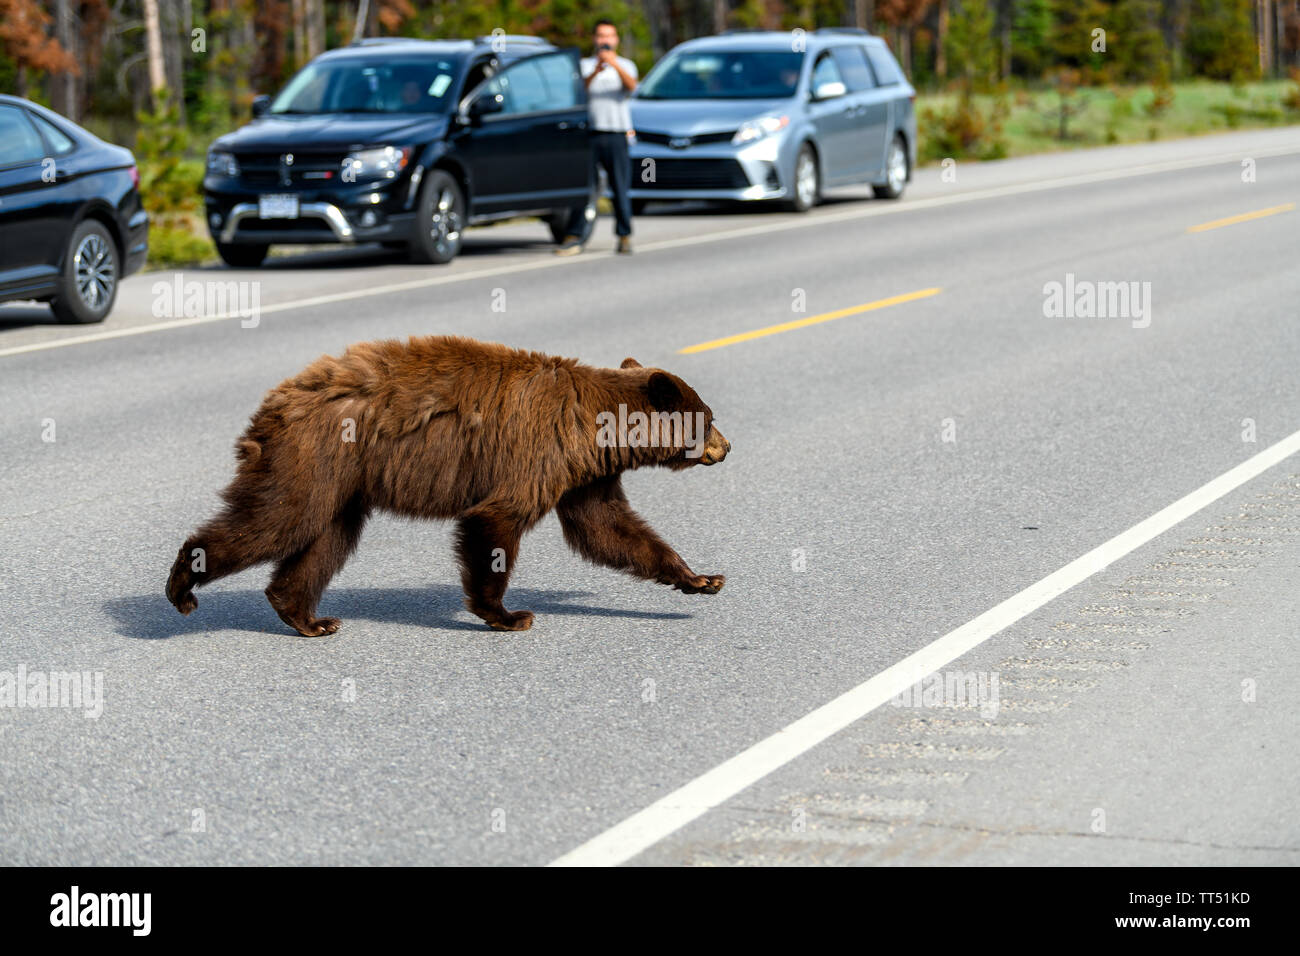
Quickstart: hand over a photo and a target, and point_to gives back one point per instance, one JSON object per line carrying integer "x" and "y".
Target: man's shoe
{"x": 569, "y": 247}
{"x": 624, "y": 246}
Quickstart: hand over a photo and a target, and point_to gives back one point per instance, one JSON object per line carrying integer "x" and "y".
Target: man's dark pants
{"x": 610, "y": 150}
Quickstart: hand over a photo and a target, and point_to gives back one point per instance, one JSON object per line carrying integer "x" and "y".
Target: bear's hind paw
{"x": 701, "y": 584}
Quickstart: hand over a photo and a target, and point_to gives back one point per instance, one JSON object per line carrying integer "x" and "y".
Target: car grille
{"x": 265, "y": 169}
{"x": 681, "y": 142}
{"x": 691, "y": 174}
{"x": 309, "y": 225}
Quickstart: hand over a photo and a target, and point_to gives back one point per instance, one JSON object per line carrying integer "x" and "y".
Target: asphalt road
{"x": 896, "y": 472}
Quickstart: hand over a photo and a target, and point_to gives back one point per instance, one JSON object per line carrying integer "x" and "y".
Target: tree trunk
{"x": 363, "y": 15}
{"x": 174, "y": 44}
{"x": 63, "y": 86}
{"x": 315, "y": 28}
{"x": 720, "y": 11}
{"x": 298, "y": 26}
{"x": 940, "y": 42}
{"x": 153, "y": 44}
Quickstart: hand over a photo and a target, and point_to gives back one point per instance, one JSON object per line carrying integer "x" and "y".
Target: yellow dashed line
{"x": 1244, "y": 217}
{"x": 810, "y": 320}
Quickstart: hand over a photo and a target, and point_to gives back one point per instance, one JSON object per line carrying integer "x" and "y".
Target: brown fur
{"x": 444, "y": 427}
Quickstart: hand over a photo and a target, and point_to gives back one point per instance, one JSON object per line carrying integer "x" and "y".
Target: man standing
{"x": 610, "y": 80}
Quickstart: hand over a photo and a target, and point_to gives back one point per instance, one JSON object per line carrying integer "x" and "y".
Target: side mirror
{"x": 828, "y": 91}
{"x": 261, "y": 104}
{"x": 485, "y": 105}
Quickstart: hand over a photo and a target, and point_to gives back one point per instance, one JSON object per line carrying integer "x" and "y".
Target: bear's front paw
{"x": 320, "y": 627}
{"x": 512, "y": 621}
{"x": 701, "y": 584}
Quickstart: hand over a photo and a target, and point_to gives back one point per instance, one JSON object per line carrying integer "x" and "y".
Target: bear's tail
{"x": 181, "y": 581}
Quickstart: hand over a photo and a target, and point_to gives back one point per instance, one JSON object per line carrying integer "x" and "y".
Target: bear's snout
{"x": 715, "y": 447}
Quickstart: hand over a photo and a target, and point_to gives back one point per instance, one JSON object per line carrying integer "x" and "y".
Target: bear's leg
{"x": 300, "y": 579}
{"x": 487, "y": 542}
{"x": 601, "y": 526}
{"x": 224, "y": 546}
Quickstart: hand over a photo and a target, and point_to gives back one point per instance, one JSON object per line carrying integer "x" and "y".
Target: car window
{"x": 58, "y": 140}
{"x": 723, "y": 75}
{"x": 826, "y": 72}
{"x": 536, "y": 84}
{"x": 19, "y": 142}
{"x": 348, "y": 85}
{"x": 479, "y": 72}
{"x": 560, "y": 78}
{"x": 882, "y": 61}
{"x": 852, "y": 61}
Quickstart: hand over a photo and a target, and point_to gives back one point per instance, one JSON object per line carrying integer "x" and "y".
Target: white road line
{"x": 873, "y": 209}
{"x": 665, "y": 816}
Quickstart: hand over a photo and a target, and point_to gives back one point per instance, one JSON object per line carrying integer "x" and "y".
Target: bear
{"x": 452, "y": 428}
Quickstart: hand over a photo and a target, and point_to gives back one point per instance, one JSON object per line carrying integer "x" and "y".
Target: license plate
{"x": 277, "y": 206}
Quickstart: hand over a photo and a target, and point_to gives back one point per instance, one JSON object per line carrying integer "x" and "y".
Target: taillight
{"x": 135, "y": 176}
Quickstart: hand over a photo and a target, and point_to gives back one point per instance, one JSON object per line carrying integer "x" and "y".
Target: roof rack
{"x": 509, "y": 38}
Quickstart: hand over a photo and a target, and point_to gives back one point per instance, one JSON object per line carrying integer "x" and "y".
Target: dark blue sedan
{"x": 71, "y": 221}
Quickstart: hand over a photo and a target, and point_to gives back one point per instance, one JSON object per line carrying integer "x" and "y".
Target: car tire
{"x": 439, "y": 220}
{"x": 88, "y": 283}
{"x": 242, "y": 257}
{"x": 896, "y": 172}
{"x": 558, "y": 222}
{"x": 638, "y": 206}
{"x": 807, "y": 184}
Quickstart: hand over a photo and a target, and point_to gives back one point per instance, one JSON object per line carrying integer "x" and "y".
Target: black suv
{"x": 71, "y": 222}
{"x": 405, "y": 142}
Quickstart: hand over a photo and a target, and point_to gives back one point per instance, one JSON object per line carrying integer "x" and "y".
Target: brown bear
{"x": 447, "y": 427}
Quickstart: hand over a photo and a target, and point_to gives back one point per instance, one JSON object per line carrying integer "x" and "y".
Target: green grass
{"x": 1120, "y": 115}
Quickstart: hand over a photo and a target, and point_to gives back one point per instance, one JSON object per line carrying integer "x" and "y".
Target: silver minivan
{"x": 773, "y": 116}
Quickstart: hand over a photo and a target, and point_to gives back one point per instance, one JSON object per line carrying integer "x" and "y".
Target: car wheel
{"x": 895, "y": 172}
{"x": 440, "y": 220}
{"x": 88, "y": 284}
{"x": 638, "y": 206}
{"x": 242, "y": 257}
{"x": 561, "y": 221}
{"x": 807, "y": 181}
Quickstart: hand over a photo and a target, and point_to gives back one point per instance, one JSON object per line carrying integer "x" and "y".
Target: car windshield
{"x": 380, "y": 86}
{"x": 724, "y": 75}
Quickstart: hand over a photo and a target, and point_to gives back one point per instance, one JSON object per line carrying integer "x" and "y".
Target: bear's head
{"x": 676, "y": 428}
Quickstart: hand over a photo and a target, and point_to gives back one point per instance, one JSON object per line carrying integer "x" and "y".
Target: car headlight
{"x": 223, "y": 164}
{"x": 383, "y": 162}
{"x": 752, "y": 130}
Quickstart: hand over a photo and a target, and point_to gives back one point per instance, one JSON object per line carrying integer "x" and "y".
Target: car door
{"x": 526, "y": 142}
{"x": 833, "y": 116}
{"x": 870, "y": 112}
{"x": 891, "y": 91}
{"x": 30, "y": 231}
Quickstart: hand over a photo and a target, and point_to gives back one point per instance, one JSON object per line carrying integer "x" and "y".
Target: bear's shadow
{"x": 436, "y": 607}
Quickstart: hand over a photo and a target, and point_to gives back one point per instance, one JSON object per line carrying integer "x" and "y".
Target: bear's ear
{"x": 663, "y": 391}
{"x": 630, "y": 362}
